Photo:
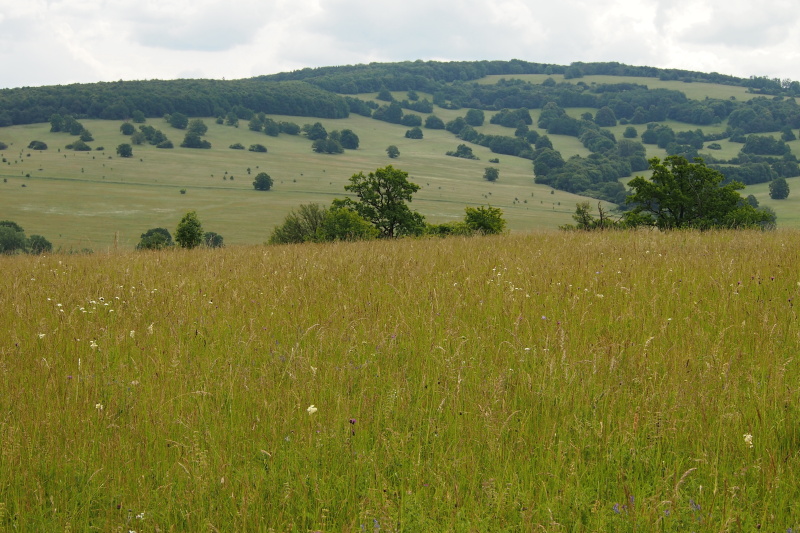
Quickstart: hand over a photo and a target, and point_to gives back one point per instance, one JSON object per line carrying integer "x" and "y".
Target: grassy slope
{"x": 90, "y": 199}
{"x": 547, "y": 381}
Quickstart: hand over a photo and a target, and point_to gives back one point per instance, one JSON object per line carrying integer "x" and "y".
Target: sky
{"x": 55, "y": 42}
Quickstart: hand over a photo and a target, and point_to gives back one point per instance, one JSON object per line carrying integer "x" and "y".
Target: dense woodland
{"x": 331, "y": 92}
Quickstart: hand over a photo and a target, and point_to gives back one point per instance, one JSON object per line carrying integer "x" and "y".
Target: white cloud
{"x": 61, "y": 41}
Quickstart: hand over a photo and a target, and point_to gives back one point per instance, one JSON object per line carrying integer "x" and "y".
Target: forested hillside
{"x": 653, "y": 115}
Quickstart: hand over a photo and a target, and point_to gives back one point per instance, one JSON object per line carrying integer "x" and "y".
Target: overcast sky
{"x": 48, "y": 42}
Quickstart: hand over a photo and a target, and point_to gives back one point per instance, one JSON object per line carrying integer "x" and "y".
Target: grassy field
{"x": 99, "y": 201}
{"x": 549, "y": 381}
{"x": 89, "y": 199}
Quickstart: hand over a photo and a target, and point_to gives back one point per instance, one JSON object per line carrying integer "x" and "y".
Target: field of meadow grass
{"x": 618, "y": 381}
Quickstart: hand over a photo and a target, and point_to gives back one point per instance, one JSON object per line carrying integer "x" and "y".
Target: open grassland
{"x": 100, "y": 201}
{"x": 630, "y": 381}
{"x": 87, "y": 199}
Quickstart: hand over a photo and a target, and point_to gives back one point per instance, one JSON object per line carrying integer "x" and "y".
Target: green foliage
{"x": 381, "y": 199}
{"x": 414, "y": 133}
{"x": 315, "y": 132}
{"x": 327, "y": 146}
{"x": 197, "y": 126}
{"x": 257, "y": 148}
{"x": 688, "y": 195}
{"x": 393, "y": 151}
{"x": 189, "y": 233}
{"x": 125, "y": 150}
{"x": 155, "y": 239}
{"x": 765, "y": 145}
{"x": 485, "y": 220}
{"x": 263, "y": 182}
{"x": 193, "y": 140}
{"x": 586, "y": 222}
{"x": 474, "y": 117}
{"x": 127, "y": 128}
{"x": 302, "y": 224}
{"x": 630, "y": 133}
{"x": 37, "y": 145}
{"x": 463, "y": 151}
{"x": 491, "y": 174}
{"x": 213, "y": 240}
{"x": 349, "y": 139}
{"x": 79, "y": 146}
{"x": 39, "y": 245}
{"x": 178, "y": 120}
{"x": 138, "y": 117}
{"x": 12, "y": 238}
{"x": 432, "y": 122}
{"x": 236, "y": 146}
{"x": 778, "y": 189}
{"x": 605, "y": 117}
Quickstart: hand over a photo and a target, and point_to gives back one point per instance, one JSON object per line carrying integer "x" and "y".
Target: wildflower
{"x": 41, "y": 335}
{"x": 748, "y": 439}
{"x": 311, "y": 409}
{"x": 150, "y": 328}
{"x": 98, "y": 406}
{"x": 133, "y": 334}
{"x": 93, "y": 345}
{"x": 353, "y": 421}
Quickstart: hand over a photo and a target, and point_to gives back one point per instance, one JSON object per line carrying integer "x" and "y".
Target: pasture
{"x": 630, "y": 381}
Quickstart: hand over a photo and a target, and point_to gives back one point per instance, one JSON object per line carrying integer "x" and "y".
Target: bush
{"x": 236, "y": 146}
{"x": 155, "y": 239}
{"x": 414, "y": 133}
{"x": 213, "y": 240}
{"x": 258, "y": 148}
{"x": 36, "y": 145}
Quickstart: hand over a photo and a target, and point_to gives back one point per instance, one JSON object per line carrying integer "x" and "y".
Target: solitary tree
{"x": 491, "y": 174}
{"x": 778, "y": 189}
{"x": 127, "y": 128}
{"x": 381, "y": 200}
{"x": 12, "y": 238}
{"x": 263, "y": 182}
{"x": 178, "y": 120}
{"x": 39, "y": 245}
{"x": 689, "y": 195}
{"x": 155, "y": 239}
{"x": 189, "y": 233}
{"x": 393, "y": 151}
{"x": 125, "y": 150}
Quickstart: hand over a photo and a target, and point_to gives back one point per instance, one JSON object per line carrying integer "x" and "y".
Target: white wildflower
{"x": 748, "y": 439}
{"x": 98, "y": 406}
{"x": 311, "y": 409}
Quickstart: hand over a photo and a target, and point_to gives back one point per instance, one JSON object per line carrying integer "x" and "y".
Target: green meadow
{"x": 99, "y": 201}
{"x": 540, "y": 381}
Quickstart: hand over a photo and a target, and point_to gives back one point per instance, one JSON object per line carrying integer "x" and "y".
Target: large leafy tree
{"x": 778, "y": 189}
{"x": 189, "y": 233}
{"x": 381, "y": 199}
{"x": 681, "y": 194}
{"x": 155, "y": 239}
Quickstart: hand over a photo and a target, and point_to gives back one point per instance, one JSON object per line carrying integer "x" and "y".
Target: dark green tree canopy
{"x": 155, "y": 239}
{"x": 125, "y": 150}
{"x": 681, "y": 194}
{"x": 393, "y": 151}
{"x": 263, "y": 182}
{"x": 486, "y": 220}
{"x": 778, "y": 189}
{"x": 381, "y": 199}
{"x": 491, "y": 174}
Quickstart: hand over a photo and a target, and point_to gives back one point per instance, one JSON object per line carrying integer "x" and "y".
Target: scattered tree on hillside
{"x": 393, "y": 151}
{"x": 414, "y": 133}
{"x": 39, "y": 245}
{"x": 263, "y": 182}
{"x": 778, "y": 189}
{"x": 189, "y": 233}
{"x": 155, "y": 239}
{"x": 178, "y": 120}
{"x": 12, "y": 237}
{"x": 349, "y": 139}
{"x": 491, "y": 174}
{"x": 127, "y": 128}
{"x": 463, "y": 151}
{"x": 197, "y": 126}
{"x": 689, "y": 195}
{"x": 193, "y": 140}
{"x": 125, "y": 150}
{"x": 315, "y": 223}
{"x": 37, "y": 145}
{"x": 381, "y": 199}
{"x": 474, "y": 117}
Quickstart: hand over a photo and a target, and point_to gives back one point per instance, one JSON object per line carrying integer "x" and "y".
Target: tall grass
{"x": 558, "y": 382}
